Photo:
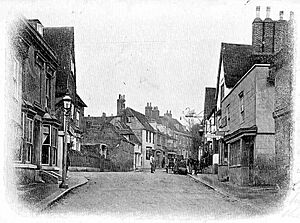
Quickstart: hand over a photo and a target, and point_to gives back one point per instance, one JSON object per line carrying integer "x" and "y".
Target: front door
{"x": 251, "y": 160}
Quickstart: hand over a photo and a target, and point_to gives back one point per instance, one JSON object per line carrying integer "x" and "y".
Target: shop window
{"x": 46, "y": 145}
{"x": 235, "y": 154}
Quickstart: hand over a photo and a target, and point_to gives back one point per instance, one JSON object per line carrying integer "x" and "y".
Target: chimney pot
{"x": 268, "y": 12}
{"x": 291, "y": 15}
{"x": 147, "y": 104}
{"x": 150, "y": 104}
{"x": 281, "y": 15}
{"x": 257, "y": 11}
{"x": 120, "y": 96}
{"x": 123, "y": 96}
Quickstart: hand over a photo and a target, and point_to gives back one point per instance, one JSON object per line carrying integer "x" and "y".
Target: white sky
{"x": 164, "y": 52}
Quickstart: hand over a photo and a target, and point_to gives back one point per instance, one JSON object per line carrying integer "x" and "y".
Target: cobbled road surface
{"x": 142, "y": 194}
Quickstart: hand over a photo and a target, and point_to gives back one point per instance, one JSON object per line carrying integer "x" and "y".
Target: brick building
{"x": 112, "y": 144}
{"x": 32, "y": 64}
{"x": 282, "y": 71}
{"x": 122, "y": 129}
{"x": 141, "y": 128}
{"x": 246, "y": 109}
{"x": 61, "y": 39}
{"x": 171, "y": 136}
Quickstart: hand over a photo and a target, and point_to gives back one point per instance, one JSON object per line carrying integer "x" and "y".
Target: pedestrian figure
{"x": 163, "y": 162}
{"x": 188, "y": 165}
{"x": 152, "y": 163}
{"x": 196, "y": 166}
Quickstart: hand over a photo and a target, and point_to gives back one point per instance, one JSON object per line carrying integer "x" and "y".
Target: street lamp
{"x": 67, "y": 104}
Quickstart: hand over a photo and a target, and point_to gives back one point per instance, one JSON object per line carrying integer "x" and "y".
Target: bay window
{"x": 29, "y": 140}
{"x": 46, "y": 145}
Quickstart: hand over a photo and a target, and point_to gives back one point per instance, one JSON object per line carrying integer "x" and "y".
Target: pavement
{"x": 39, "y": 196}
{"x": 264, "y": 198}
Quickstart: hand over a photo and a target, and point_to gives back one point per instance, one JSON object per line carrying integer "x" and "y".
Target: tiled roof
{"x": 142, "y": 118}
{"x": 209, "y": 101}
{"x": 237, "y": 61}
{"x": 173, "y": 124}
{"x": 124, "y": 129}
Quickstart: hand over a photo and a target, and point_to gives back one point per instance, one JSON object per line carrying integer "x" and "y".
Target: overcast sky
{"x": 164, "y": 52}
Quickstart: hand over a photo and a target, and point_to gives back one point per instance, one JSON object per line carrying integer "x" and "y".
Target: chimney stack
{"x": 291, "y": 15}
{"x": 281, "y": 15}
{"x": 148, "y": 110}
{"x": 155, "y": 113}
{"x": 120, "y": 104}
{"x": 257, "y": 11}
{"x": 268, "y": 12}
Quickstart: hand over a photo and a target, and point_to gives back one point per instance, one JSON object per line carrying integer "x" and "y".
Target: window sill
{"x": 235, "y": 166}
{"x": 25, "y": 165}
{"x": 47, "y": 167}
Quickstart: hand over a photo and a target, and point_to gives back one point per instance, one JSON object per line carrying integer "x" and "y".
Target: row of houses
{"x": 137, "y": 134}
{"x": 40, "y": 77}
{"x": 40, "y": 72}
{"x": 248, "y": 123}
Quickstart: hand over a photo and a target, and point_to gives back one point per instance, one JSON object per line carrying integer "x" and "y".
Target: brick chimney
{"x": 168, "y": 114}
{"x": 268, "y": 36}
{"x": 155, "y": 113}
{"x": 120, "y": 104}
{"x": 269, "y": 33}
{"x": 148, "y": 111}
{"x": 280, "y": 36}
{"x": 257, "y": 31}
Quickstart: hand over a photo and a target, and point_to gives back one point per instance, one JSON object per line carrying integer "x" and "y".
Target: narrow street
{"x": 143, "y": 193}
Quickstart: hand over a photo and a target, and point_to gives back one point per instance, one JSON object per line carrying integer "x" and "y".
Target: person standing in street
{"x": 152, "y": 163}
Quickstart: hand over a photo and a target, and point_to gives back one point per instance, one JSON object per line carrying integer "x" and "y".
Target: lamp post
{"x": 67, "y": 104}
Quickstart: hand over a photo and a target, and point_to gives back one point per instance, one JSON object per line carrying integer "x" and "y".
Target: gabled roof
{"x": 142, "y": 118}
{"x": 124, "y": 129}
{"x": 236, "y": 60}
{"x": 102, "y": 136}
{"x": 173, "y": 124}
{"x": 209, "y": 101}
{"x": 80, "y": 101}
